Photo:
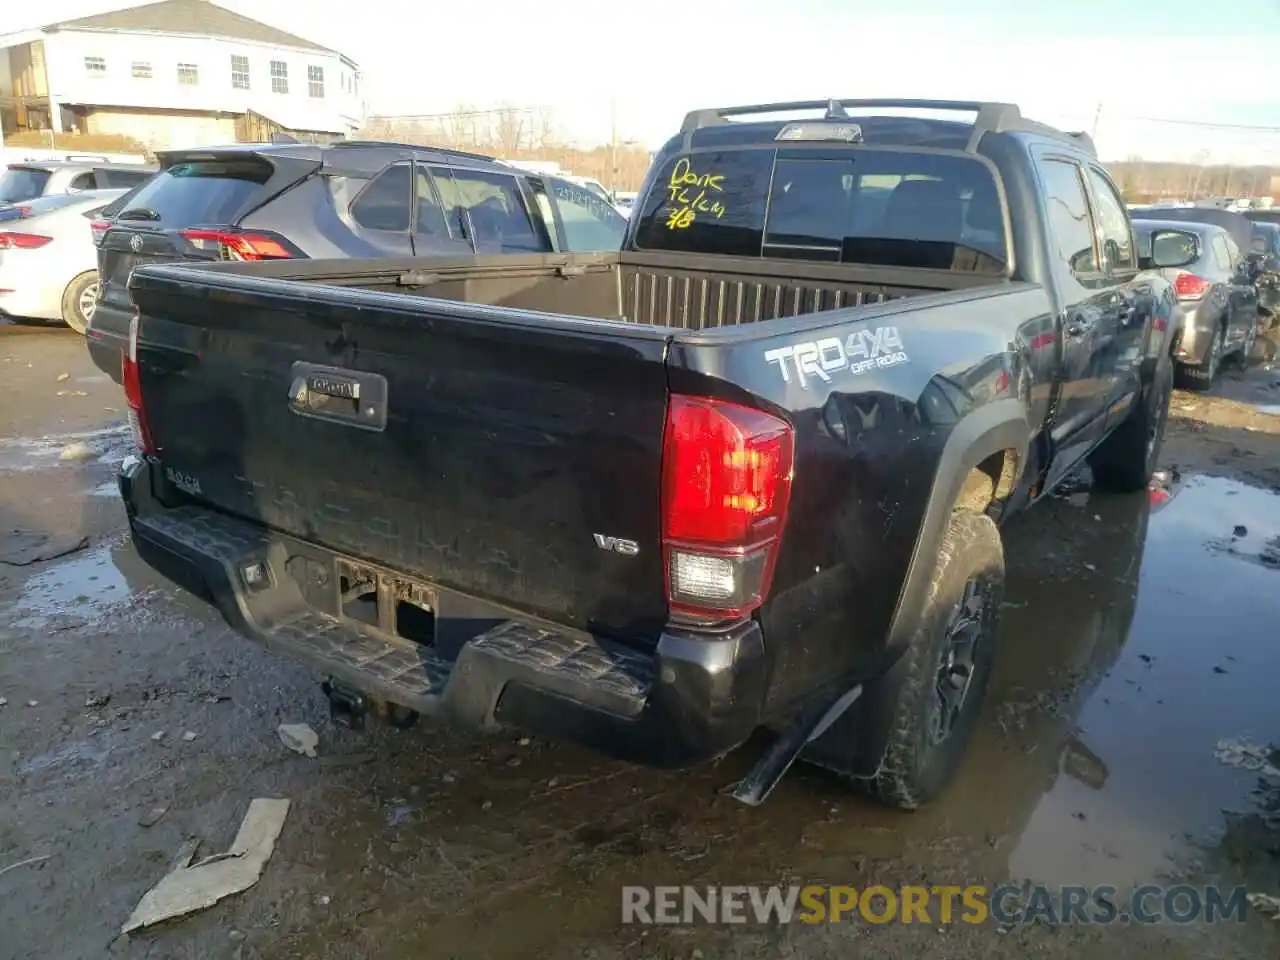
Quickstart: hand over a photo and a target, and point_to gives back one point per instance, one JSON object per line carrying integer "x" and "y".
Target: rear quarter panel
{"x": 875, "y": 395}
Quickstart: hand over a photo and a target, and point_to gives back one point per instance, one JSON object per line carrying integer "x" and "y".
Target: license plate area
{"x": 396, "y": 605}
{"x": 365, "y": 594}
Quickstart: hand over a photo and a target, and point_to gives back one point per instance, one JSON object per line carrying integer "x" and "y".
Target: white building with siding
{"x": 177, "y": 73}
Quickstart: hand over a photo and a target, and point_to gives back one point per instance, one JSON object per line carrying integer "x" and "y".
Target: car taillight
{"x": 133, "y": 392}
{"x": 99, "y": 229}
{"x": 231, "y": 245}
{"x": 1188, "y": 286}
{"x": 726, "y": 480}
{"x": 22, "y": 241}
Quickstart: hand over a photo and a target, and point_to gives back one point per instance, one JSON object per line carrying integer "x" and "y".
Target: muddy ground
{"x": 1135, "y": 639}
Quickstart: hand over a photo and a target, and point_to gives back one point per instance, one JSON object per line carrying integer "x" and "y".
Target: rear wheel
{"x": 943, "y": 675}
{"x": 1125, "y": 460}
{"x": 1201, "y": 377}
{"x": 79, "y": 301}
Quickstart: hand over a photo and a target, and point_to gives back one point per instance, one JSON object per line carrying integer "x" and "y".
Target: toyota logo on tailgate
{"x": 135, "y": 243}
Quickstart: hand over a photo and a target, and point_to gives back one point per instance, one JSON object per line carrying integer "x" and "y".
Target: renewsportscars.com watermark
{"x": 934, "y": 905}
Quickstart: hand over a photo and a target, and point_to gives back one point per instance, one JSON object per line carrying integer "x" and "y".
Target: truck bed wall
{"x": 673, "y": 290}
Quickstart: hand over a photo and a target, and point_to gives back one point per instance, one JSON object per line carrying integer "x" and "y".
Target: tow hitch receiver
{"x": 347, "y": 706}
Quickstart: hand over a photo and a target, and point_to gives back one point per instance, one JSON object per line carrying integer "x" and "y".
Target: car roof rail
{"x": 342, "y": 144}
{"x": 990, "y": 116}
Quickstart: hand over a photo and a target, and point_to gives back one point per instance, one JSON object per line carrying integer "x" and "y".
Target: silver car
{"x": 1215, "y": 288}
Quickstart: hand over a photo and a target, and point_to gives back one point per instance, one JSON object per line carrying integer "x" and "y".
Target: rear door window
{"x": 22, "y": 183}
{"x": 200, "y": 191}
{"x": 1072, "y": 240}
{"x": 590, "y": 222}
{"x": 490, "y": 209}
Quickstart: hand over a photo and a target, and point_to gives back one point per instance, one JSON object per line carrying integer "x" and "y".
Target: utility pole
{"x": 1097, "y": 115}
{"x": 613, "y": 144}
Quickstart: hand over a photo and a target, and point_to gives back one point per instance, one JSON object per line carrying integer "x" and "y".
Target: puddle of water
{"x": 109, "y": 444}
{"x": 1175, "y": 657}
{"x": 1268, "y": 408}
{"x": 108, "y": 488}
{"x": 80, "y": 588}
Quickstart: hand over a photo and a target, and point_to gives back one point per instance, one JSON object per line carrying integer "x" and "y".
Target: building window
{"x": 279, "y": 76}
{"x": 95, "y": 66}
{"x": 188, "y": 74}
{"x": 239, "y": 73}
{"x": 315, "y": 81}
{"x": 141, "y": 70}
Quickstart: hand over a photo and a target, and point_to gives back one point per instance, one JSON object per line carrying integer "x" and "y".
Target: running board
{"x": 755, "y": 787}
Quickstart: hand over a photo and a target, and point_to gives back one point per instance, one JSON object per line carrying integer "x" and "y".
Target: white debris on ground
{"x": 77, "y": 451}
{"x": 1265, "y": 903}
{"x": 1247, "y": 756}
{"x": 299, "y": 738}
{"x": 191, "y": 887}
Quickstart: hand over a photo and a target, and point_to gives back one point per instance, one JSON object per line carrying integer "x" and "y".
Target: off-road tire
{"x": 1125, "y": 461}
{"x": 913, "y": 770}
{"x": 1201, "y": 376}
{"x": 72, "y": 314}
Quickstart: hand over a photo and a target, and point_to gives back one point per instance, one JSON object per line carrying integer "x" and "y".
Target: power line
{"x": 1258, "y": 128}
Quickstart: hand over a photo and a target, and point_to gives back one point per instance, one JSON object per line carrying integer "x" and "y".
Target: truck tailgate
{"x": 502, "y": 458}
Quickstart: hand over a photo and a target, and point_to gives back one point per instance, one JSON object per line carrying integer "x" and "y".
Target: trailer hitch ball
{"x": 398, "y": 716}
{"x": 349, "y": 707}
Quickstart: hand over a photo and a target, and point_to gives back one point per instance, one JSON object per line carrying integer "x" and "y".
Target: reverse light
{"x": 1187, "y": 286}
{"x": 22, "y": 241}
{"x": 133, "y": 392}
{"x": 232, "y": 245}
{"x": 726, "y": 482}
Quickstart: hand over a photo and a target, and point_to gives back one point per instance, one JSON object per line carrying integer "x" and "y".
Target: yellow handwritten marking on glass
{"x": 687, "y": 191}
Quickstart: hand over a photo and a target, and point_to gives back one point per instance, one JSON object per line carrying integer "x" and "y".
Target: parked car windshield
{"x": 882, "y": 207}
{"x": 22, "y": 183}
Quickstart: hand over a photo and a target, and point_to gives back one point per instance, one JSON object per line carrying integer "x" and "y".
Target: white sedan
{"x": 48, "y": 261}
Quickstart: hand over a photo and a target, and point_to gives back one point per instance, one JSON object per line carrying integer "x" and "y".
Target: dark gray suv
{"x": 347, "y": 199}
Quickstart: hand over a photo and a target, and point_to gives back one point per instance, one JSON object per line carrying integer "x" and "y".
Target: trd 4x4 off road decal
{"x": 862, "y": 350}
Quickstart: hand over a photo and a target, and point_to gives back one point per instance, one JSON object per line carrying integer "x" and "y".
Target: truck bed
{"x": 670, "y": 290}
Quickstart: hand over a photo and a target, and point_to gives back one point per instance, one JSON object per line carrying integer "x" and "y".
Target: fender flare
{"x": 996, "y": 427}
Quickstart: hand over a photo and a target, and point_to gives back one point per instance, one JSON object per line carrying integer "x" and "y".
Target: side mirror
{"x": 1173, "y": 248}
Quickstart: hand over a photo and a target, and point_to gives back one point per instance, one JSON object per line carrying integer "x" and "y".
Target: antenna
{"x": 836, "y": 111}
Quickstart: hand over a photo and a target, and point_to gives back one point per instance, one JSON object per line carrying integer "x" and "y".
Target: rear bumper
{"x": 696, "y": 696}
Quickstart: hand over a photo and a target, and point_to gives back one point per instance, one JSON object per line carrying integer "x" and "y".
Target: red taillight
{"x": 1188, "y": 286}
{"x": 239, "y": 246}
{"x": 726, "y": 480}
{"x": 133, "y": 392}
{"x": 22, "y": 241}
{"x": 99, "y": 229}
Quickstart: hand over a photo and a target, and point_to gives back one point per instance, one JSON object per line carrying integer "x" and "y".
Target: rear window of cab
{"x": 876, "y": 207}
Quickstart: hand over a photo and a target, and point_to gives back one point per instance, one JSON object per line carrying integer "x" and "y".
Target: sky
{"x": 1071, "y": 63}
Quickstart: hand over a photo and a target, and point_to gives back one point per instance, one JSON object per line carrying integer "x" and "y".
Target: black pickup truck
{"x": 745, "y": 475}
